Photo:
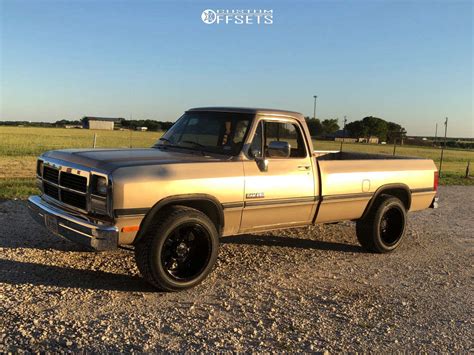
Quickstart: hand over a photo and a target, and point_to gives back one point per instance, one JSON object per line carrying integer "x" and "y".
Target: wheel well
{"x": 209, "y": 206}
{"x": 402, "y": 192}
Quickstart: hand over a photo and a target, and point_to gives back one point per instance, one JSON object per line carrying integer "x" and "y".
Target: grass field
{"x": 19, "y": 147}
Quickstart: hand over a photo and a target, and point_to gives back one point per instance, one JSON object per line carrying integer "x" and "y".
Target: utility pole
{"x": 444, "y": 145}
{"x": 394, "y": 144}
{"x": 436, "y": 134}
{"x": 314, "y": 112}
{"x": 343, "y": 133}
{"x": 130, "y": 131}
{"x": 400, "y": 133}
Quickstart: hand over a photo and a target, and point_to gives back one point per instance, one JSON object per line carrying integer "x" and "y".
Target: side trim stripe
{"x": 428, "y": 189}
{"x": 279, "y": 201}
{"x": 131, "y": 212}
{"x": 232, "y": 205}
{"x": 143, "y": 211}
{"x": 347, "y": 196}
{"x": 282, "y": 201}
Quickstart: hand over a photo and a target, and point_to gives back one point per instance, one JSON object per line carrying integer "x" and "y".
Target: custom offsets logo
{"x": 237, "y": 17}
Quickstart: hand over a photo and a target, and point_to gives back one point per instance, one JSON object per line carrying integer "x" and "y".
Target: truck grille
{"x": 51, "y": 174}
{"x": 74, "y": 182}
{"x": 66, "y": 187}
{"x": 51, "y": 191}
{"x": 74, "y": 199}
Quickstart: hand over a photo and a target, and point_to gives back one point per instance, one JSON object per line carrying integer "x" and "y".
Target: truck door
{"x": 283, "y": 195}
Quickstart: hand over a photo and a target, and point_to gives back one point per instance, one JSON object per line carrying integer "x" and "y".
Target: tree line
{"x": 318, "y": 128}
{"x": 367, "y": 127}
{"x": 152, "y": 125}
{"x": 376, "y": 127}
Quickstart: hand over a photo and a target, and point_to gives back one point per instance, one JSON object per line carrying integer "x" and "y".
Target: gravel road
{"x": 309, "y": 289}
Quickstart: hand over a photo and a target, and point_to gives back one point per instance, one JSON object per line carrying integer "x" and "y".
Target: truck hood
{"x": 111, "y": 159}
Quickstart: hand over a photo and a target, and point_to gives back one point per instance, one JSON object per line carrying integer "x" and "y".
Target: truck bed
{"x": 336, "y": 155}
{"x": 349, "y": 180}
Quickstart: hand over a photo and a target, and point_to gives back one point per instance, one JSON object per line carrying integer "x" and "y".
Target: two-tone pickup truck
{"x": 222, "y": 171}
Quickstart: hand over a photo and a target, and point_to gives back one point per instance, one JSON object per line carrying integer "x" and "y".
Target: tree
{"x": 330, "y": 126}
{"x": 63, "y": 123}
{"x": 395, "y": 132}
{"x": 377, "y": 127}
{"x": 357, "y": 129}
{"x": 314, "y": 125}
{"x": 152, "y": 125}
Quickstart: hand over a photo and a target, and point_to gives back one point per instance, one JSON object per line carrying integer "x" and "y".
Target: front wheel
{"x": 179, "y": 250}
{"x": 383, "y": 228}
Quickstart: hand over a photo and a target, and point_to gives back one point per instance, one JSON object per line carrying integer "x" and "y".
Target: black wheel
{"x": 179, "y": 250}
{"x": 383, "y": 228}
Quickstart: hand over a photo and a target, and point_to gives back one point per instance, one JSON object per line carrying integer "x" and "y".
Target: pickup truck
{"x": 222, "y": 171}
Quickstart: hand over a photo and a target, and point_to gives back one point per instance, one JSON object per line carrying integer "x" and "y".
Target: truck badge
{"x": 255, "y": 195}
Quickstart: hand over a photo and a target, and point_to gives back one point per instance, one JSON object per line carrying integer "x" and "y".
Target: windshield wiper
{"x": 162, "y": 145}
{"x": 165, "y": 140}
{"x": 195, "y": 144}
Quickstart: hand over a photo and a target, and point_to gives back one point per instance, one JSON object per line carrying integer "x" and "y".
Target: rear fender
{"x": 401, "y": 191}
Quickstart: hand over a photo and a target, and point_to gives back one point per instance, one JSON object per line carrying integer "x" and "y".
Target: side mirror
{"x": 262, "y": 164}
{"x": 255, "y": 152}
{"x": 279, "y": 149}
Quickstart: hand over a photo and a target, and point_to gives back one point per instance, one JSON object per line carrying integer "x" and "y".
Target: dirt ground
{"x": 310, "y": 289}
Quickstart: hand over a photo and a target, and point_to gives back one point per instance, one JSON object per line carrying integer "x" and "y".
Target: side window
{"x": 287, "y": 132}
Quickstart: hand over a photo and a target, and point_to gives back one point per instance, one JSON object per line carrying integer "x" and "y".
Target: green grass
{"x": 32, "y": 141}
{"x": 19, "y": 147}
{"x": 449, "y": 178}
{"x": 17, "y": 188}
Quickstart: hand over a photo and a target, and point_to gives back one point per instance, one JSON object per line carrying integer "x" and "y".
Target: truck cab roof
{"x": 251, "y": 110}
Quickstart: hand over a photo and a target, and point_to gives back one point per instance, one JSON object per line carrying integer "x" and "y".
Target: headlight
{"x": 39, "y": 168}
{"x": 99, "y": 185}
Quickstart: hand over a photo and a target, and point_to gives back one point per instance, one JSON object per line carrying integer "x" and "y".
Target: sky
{"x": 409, "y": 62}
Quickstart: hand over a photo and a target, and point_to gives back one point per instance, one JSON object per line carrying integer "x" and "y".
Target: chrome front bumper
{"x": 70, "y": 227}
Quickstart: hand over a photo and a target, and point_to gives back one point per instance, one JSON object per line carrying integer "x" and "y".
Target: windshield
{"x": 213, "y": 132}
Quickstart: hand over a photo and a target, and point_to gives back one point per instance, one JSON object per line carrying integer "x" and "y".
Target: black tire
{"x": 178, "y": 250}
{"x": 383, "y": 228}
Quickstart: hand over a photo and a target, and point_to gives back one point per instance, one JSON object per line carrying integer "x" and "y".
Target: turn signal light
{"x": 130, "y": 229}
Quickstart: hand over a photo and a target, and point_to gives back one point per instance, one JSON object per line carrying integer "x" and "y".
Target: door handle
{"x": 304, "y": 167}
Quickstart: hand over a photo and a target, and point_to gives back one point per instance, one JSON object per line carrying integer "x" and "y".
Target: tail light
{"x": 436, "y": 181}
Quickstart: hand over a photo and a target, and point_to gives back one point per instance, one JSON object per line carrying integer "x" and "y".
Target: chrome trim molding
{"x": 97, "y": 236}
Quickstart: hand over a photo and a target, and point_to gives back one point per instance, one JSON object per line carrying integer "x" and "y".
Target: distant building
{"x": 99, "y": 122}
{"x": 142, "y": 129}
{"x": 370, "y": 140}
{"x": 346, "y": 140}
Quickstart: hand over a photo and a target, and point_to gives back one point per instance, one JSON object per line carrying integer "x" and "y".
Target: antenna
{"x": 343, "y": 133}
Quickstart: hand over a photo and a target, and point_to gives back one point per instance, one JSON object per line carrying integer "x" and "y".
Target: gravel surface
{"x": 308, "y": 289}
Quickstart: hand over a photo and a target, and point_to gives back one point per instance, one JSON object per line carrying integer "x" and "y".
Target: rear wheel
{"x": 179, "y": 250}
{"x": 383, "y": 228}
